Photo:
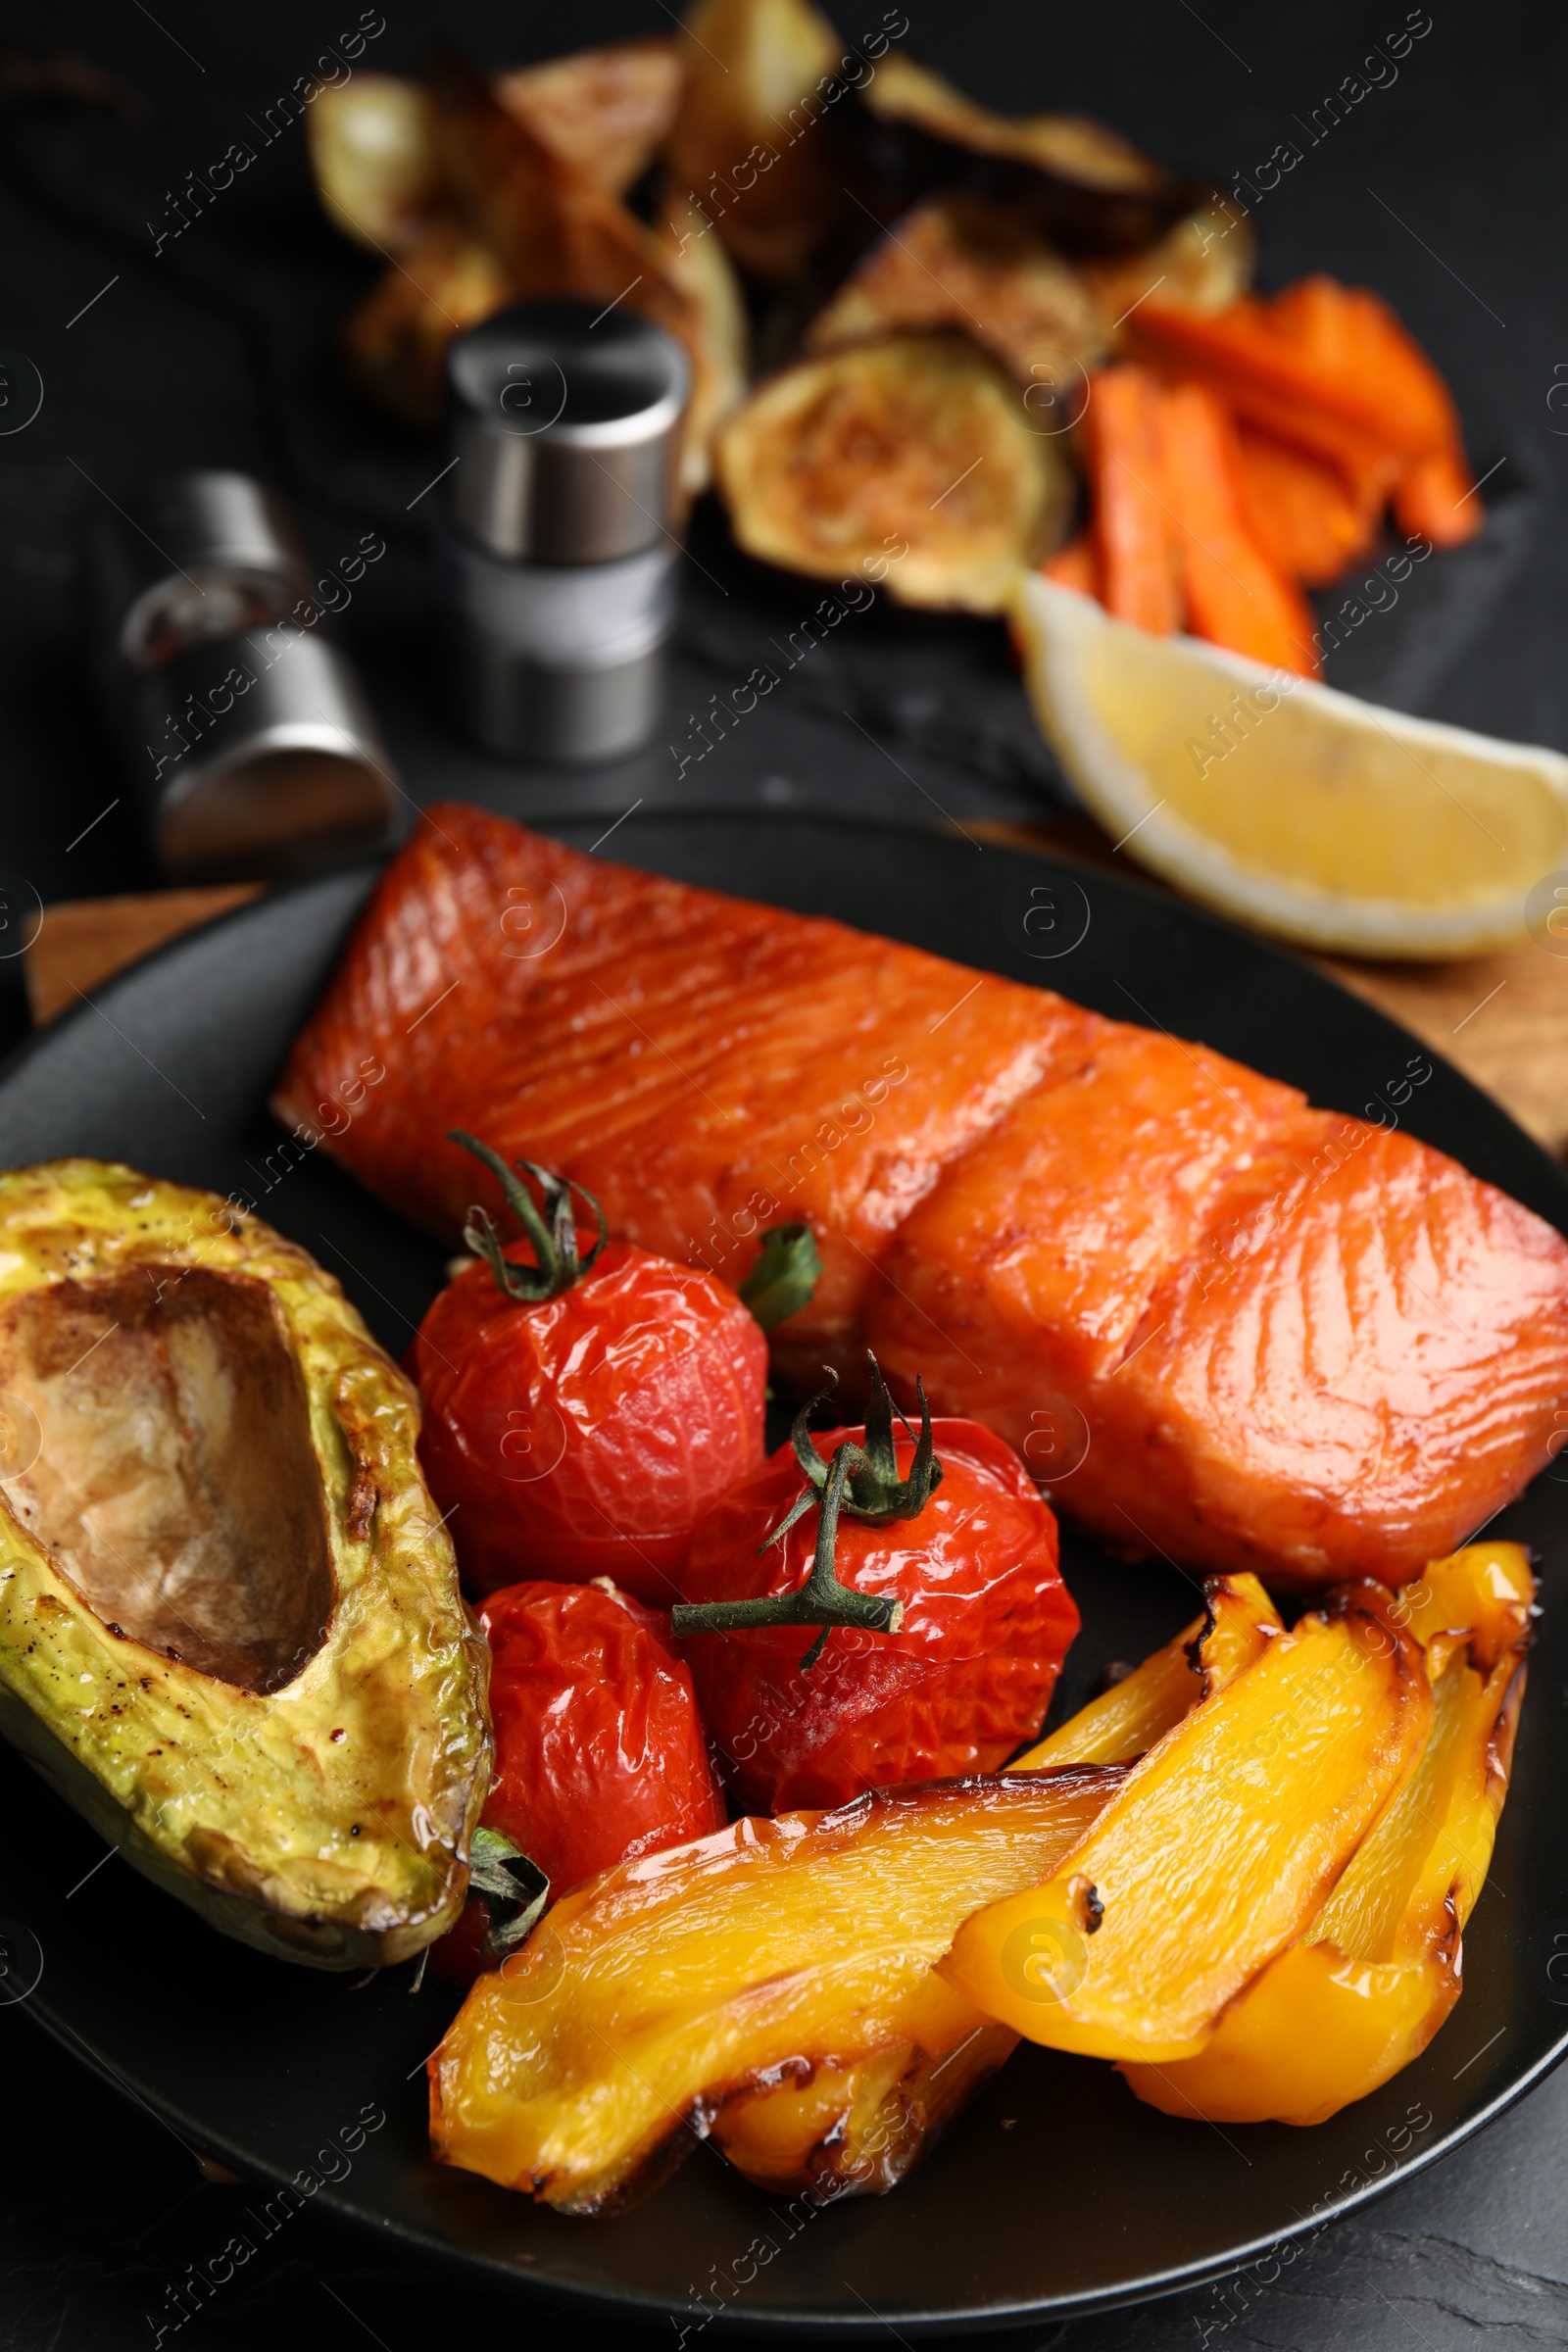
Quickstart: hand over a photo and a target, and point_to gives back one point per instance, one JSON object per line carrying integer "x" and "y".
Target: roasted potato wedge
{"x": 961, "y": 262}
{"x": 395, "y": 344}
{"x": 376, "y": 161}
{"x": 912, "y": 458}
{"x": 607, "y": 111}
{"x": 1378, "y": 1970}
{"x": 587, "y": 2068}
{"x": 747, "y": 142}
{"x": 1221, "y": 1845}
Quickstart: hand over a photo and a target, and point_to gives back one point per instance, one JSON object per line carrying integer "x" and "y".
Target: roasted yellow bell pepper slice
{"x": 1126, "y": 1720}
{"x": 856, "y": 2129}
{"x": 857, "y": 2126}
{"x": 1484, "y": 1595}
{"x": 1220, "y": 1847}
{"x": 1378, "y": 1970}
{"x": 774, "y": 1984}
{"x": 588, "y": 2065}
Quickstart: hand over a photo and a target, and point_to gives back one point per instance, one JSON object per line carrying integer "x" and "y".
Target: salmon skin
{"x": 705, "y": 1066}
{"x": 1217, "y": 1323}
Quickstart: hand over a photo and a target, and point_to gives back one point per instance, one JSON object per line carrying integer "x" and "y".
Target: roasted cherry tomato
{"x": 983, "y": 1624}
{"x": 582, "y": 1410}
{"x": 600, "y": 1750}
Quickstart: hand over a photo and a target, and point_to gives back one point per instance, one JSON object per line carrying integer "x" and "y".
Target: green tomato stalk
{"x": 557, "y": 1264}
{"x": 863, "y": 1480}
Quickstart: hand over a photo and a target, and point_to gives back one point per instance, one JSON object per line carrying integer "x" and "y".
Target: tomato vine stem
{"x": 863, "y": 1480}
{"x": 821, "y": 1601}
{"x": 558, "y": 1264}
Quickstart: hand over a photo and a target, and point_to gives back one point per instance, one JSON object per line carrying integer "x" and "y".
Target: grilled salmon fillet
{"x": 1218, "y": 1323}
{"x": 705, "y": 1066}
{"x": 1336, "y": 1355}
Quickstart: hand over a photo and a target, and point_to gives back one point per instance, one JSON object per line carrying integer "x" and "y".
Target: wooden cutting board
{"x": 85, "y": 941}
{"x": 1502, "y": 1019}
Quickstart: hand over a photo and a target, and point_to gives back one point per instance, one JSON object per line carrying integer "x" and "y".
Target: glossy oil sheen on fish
{"x": 1288, "y": 1341}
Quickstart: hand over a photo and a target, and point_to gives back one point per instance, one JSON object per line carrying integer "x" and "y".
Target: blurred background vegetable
{"x": 759, "y": 183}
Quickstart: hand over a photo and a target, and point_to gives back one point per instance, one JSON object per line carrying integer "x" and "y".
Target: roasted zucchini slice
{"x": 230, "y": 1633}
{"x": 375, "y": 149}
{"x": 1081, "y": 184}
{"x": 718, "y": 338}
{"x": 1205, "y": 263}
{"x": 607, "y": 111}
{"x": 960, "y": 261}
{"x": 912, "y": 460}
{"x": 395, "y": 343}
{"x": 553, "y": 230}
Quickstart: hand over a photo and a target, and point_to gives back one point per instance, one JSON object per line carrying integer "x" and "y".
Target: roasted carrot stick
{"x": 1373, "y": 378}
{"x": 1361, "y": 349}
{"x": 1368, "y": 468}
{"x": 1301, "y": 510}
{"x": 1312, "y": 317}
{"x": 1436, "y": 496}
{"x": 1138, "y": 569}
{"x": 1436, "y": 499}
{"x": 1234, "y": 594}
{"x": 1075, "y": 566}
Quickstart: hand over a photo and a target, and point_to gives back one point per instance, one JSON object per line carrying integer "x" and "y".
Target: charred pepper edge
{"x": 557, "y": 1265}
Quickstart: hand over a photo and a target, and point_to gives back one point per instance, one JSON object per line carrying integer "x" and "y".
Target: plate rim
{"x": 820, "y": 2325}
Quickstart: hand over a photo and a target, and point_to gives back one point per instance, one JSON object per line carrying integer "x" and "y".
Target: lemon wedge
{"x": 1303, "y": 811}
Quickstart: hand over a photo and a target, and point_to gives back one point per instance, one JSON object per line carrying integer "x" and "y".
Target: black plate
{"x": 1057, "y": 2191}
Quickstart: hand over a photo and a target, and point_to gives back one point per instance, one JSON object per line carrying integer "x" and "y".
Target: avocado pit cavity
{"x": 176, "y": 1485}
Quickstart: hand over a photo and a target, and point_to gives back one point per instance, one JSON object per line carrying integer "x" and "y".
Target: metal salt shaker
{"x": 557, "y": 554}
{"x": 254, "y": 748}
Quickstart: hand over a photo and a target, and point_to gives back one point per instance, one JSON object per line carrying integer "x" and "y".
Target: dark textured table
{"x": 1437, "y": 187}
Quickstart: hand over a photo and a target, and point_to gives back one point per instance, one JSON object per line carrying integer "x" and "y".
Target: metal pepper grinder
{"x": 253, "y": 749}
{"x": 555, "y": 550}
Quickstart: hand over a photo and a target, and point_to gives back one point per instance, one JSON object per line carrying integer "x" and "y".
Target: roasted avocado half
{"x": 230, "y": 1632}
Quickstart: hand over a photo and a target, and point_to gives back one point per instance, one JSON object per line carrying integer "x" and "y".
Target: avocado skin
{"x": 339, "y": 1851}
